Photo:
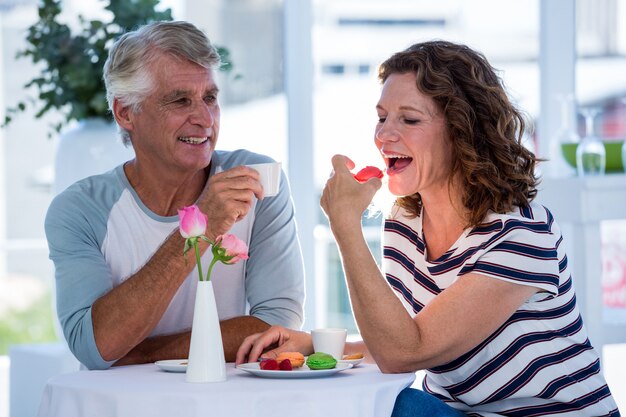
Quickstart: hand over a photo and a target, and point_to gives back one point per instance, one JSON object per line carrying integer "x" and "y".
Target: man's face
{"x": 176, "y": 129}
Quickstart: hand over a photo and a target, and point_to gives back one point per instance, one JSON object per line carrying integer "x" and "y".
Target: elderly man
{"x": 124, "y": 290}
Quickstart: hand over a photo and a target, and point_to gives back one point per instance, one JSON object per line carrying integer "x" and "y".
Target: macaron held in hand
{"x": 368, "y": 172}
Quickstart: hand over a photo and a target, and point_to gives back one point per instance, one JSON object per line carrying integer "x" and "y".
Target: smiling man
{"x": 124, "y": 290}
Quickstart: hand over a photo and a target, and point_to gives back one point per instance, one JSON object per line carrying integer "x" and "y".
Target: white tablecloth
{"x": 145, "y": 390}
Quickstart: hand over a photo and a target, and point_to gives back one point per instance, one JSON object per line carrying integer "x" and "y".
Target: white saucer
{"x": 353, "y": 362}
{"x": 173, "y": 365}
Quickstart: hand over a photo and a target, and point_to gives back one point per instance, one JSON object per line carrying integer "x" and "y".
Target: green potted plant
{"x": 71, "y": 77}
{"x": 70, "y": 82}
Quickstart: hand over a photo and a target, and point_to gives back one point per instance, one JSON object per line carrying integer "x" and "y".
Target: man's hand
{"x": 227, "y": 198}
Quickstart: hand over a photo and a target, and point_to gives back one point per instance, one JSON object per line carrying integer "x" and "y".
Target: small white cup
{"x": 270, "y": 177}
{"x": 331, "y": 341}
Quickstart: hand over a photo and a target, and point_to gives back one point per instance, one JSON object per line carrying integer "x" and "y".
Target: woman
{"x": 476, "y": 289}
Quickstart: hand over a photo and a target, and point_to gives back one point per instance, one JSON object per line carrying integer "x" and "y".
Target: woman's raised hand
{"x": 344, "y": 199}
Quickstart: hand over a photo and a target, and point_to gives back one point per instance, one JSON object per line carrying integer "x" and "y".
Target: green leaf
{"x": 227, "y": 64}
{"x": 188, "y": 246}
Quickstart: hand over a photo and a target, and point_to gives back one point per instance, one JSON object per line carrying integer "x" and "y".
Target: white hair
{"x": 127, "y": 71}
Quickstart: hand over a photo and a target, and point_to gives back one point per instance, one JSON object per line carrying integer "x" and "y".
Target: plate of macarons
{"x": 295, "y": 365}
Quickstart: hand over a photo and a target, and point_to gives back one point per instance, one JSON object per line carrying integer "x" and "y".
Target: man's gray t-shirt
{"x": 100, "y": 233}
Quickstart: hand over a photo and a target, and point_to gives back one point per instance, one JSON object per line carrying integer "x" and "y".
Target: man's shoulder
{"x": 230, "y": 159}
{"x": 97, "y": 192}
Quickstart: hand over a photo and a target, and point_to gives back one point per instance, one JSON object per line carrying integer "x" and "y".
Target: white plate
{"x": 353, "y": 362}
{"x": 303, "y": 372}
{"x": 173, "y": 365}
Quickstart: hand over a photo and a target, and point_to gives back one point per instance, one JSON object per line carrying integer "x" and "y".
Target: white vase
{"x": 206, "y": 352}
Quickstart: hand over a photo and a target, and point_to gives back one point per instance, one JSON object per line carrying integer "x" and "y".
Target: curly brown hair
{"x": 495, "y": 169}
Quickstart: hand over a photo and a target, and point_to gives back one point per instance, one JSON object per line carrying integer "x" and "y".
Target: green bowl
{"x": 613, "y": 154}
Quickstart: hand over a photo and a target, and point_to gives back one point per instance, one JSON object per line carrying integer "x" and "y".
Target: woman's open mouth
{"x": 397, "y": 162}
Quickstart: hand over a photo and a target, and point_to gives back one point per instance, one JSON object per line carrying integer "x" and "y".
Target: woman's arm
{"x": 456, "y": 321}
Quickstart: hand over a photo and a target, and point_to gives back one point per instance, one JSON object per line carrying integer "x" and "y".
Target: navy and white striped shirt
{"x": 538, "y": 363}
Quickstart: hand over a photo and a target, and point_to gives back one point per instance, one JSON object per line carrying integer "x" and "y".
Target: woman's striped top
{"x": 538, "y": 363}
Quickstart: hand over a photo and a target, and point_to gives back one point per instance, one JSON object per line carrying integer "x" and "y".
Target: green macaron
{"x": 321, "y": 360}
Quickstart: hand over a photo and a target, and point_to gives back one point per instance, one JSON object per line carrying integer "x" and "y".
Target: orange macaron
{"x": 296, "y": 358}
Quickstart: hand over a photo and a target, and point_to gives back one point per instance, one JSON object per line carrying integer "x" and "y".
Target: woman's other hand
{"x": 271, "y": 342}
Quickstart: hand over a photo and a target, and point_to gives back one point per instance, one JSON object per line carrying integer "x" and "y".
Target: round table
{"x": 145, "y": 390}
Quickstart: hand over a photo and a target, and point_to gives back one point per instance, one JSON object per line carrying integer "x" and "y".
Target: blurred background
{"x": 327, "y": 107}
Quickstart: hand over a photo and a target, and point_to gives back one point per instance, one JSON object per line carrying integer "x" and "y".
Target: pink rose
{"x": 234, "y": 248}
{"x": 192, "y": 221}
{"x": 227, "y": 248}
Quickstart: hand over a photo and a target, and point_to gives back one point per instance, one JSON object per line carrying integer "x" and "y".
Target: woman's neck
{"x": 444, "y": 220}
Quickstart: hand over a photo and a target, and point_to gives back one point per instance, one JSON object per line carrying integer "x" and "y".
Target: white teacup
{"x": 331, "y": 341}
{"x": 270, "y": 177}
